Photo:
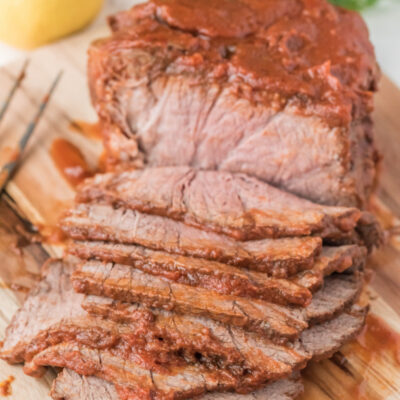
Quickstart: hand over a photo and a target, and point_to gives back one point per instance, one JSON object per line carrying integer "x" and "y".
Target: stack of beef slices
{"x": 180, "y": 283}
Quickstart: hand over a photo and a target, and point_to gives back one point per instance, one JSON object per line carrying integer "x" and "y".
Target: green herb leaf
{"x": 353, "y": 4}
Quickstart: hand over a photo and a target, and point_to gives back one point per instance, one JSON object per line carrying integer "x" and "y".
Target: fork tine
{"x": 14, "y": 88}
{"x": 32, "y": 125}
{"x": 9, "y": 167}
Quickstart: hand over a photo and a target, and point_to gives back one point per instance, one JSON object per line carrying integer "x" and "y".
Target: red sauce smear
{"x": 5, "y": 386}
{"x": 51, "y": 234}
{"x": 19, "y": 288}
{"x": 102, "y": 165}
{"x": 360, "y": 391}
{"x": 376, "y": 342}
{"x": 387, "y": 219}
{"x": 90, "y": 130}
{"x": 378, "y": 337}
{"x": 69, "y": 161}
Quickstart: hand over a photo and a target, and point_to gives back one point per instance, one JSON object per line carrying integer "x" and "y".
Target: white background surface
{"x": 383, "y": 20}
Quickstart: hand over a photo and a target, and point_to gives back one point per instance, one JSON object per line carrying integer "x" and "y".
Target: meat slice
{"x": 271, "y": 94}
{"x": 71, "y": 386}
{"x": 122, "y": 282}
{"x": 153, "y": 338}
{"x": 212, "y": 275}
{"x": 223, "y": 278}
{"x": 52, "y": 301}
{"x": 278, "y": 257}
{"x": 234, "y": 204}
{"x": 187, "y": 381}
{"x": 331, "y": 259}
{"x": 339, "y": 292}
{"x": 114, "y": 368}
{"x": 185, "y": 329}
{"x": 325, "y": 339}
{"x": 131, "y": 380}
{"x": 229, "y": 347}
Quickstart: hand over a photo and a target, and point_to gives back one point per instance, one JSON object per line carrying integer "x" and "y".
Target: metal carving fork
{"x": 9, "y": 167}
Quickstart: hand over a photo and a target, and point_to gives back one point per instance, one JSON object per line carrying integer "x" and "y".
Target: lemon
{"x": 31, "y": 23}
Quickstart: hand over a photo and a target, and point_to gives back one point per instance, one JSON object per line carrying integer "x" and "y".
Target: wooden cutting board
{"x": 40, "y": 193}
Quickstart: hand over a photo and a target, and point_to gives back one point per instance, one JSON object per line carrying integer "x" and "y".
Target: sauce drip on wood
{"x": 378, "y": 337}
{"x": 360, "y": 391}
{"x": 51, "y": 234}
{"x": 19, "y": 288}
{"x": 87, "y": 129}
{"x": 69, "y": 161}
{"x": 377, "y": 341}
{"x": 386, "y": 217}
{"x": 5, "y": 386}
{"x": 377, "y": 345}
{"x": 102, "y": 164}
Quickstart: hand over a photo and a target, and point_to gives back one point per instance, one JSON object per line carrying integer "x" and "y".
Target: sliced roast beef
{"x": 205, "y": 340}
{"x": 184, "y": 382}
{"x": 154, "y": 338}
{"x": 223, "y": 278}
{"x": 122, "y": 282}
{"x": 325, "y": 339}
{"x": 52, "y": 301}
{"x": 180, "y": 333}
{"x": 217, "y": 378}
{"x": 278, "y": 257}
{"x": 185, "y": 328}
{"x": 212, "y": 275}
{"x": 131, "y": 380}
{"x": 284, "y": 389}
{"x": 339, "y": 292}
{"x": 234, "y": 204}
{"x": 272, "y": 96}
{"x": 331, "y": 259}
{"x": 71, "y": 386}
{"x": 117, "y": 348}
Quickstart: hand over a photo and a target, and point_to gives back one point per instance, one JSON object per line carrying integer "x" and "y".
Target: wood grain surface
{"x": 39, "y": 193}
